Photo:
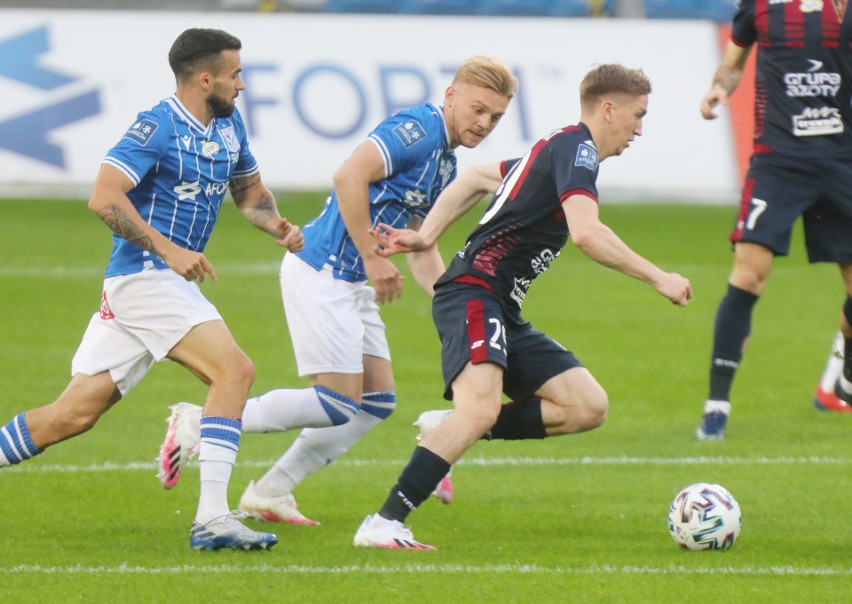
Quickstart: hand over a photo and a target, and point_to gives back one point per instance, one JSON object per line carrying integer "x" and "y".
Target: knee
{"x": 482, "y": 418}
{"x": 586, "y": 413}
{"x": 594, "y": 411}
{"x": 240, "y": 370}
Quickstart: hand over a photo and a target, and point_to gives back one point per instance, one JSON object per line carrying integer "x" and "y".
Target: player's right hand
{"x": 390, "y": 240}
{"x": 715, "y": 96}
{"x": 192, "y": 266}
{"x": 385, "y": 278}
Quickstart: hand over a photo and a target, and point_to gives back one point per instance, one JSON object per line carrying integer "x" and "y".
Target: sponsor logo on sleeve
{"x": 142, "y": 131}
{"x": 409, "y": 133}
{"x": 587, "y": 157}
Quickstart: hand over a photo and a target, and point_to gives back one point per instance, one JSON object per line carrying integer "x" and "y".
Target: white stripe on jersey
{"x": 128, "y": 172}
{"x": 383, "y": 151}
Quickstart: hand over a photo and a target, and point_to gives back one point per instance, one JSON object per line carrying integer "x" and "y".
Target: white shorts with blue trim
{"x": 333, "y": 323}
{"x": 142, "y": 317}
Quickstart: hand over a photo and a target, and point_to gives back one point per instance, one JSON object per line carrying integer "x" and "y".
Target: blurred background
{"x": 717, "y": 10}
{"x": 320, "y": 74}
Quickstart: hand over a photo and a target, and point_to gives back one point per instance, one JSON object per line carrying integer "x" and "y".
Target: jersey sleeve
{"x": 246, "y": 163}
{"x": 507, "y": 164}
{"x": 404, "y": 140}
{"x": 743, "y": 30}
{"x": 141, "y": 147}
{"x": 575, "y": 167}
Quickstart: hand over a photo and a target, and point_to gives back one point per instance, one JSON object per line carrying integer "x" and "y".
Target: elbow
{"x": 582, "y": 239}
{"x": 344, "y": 177}
{"x": 96, "y": 203}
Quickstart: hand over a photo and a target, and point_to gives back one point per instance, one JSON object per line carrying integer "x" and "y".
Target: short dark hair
{"x": 605, "y": 80}
{"x": 197, "y": 49}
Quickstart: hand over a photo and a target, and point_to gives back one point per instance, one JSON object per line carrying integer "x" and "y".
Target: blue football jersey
{"x": 181, "y": 170}
{"x": 414, "y": 144}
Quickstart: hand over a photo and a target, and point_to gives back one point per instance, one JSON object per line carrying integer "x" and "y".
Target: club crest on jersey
{"x": 231, "y": 140}
{"x": 811, "y": 6}
{"x": 142, "y": 131}
{"x": 409, "y": 133}
{"x": 587, "y": 157}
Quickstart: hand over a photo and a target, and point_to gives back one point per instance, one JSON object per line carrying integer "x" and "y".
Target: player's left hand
{"x": 676, "y": 288}
{"x": 290, "y": 236}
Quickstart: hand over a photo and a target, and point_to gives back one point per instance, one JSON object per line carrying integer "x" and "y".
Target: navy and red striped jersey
{"x": 804, "y": 74}
{"x": 524, "y": 228}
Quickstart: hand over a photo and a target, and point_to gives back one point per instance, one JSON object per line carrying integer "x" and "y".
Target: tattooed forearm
{"x": 265, "y": 212}
{"x": 240, "y": 188}
{"x": 123, "y": 226}
{"x": 257, "y": 205}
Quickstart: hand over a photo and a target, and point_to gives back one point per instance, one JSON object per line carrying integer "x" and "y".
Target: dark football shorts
{"x": 779, "y": 189}
{"x": 473, "y": 329}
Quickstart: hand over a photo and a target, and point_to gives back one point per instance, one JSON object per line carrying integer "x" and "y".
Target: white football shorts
{"x": 333, "y": 323}
{"x": 141, "y": 319}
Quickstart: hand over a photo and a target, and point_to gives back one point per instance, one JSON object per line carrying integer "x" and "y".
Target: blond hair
{"x": 487, "y": 72}
{"x": 607, "y": 80}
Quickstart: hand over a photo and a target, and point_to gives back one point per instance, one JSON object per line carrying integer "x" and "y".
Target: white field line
{"x": 474, "y": 461}
{"x": 419, "y": 569}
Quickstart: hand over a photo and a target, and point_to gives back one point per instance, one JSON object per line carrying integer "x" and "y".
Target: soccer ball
{"x": 705, "y": 516}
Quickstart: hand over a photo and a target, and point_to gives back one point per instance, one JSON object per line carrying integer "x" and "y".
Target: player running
{"x": 487, "y": 348}
{"x": 160, "y": 189}
{"x": 393, "y": 177}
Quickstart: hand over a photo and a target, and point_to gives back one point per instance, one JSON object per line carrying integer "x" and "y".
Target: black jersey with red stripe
{"x": 804, "y": 74}
{"x": 524, "y": 228}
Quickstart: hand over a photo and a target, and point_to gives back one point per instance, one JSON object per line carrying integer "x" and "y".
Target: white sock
{"x": 712, "y": 406}
{"x": 313, "y": 450}
{"x": 834, "y": 365}
{"x": 220, "y": 441}
{"x": 282, "y": 410}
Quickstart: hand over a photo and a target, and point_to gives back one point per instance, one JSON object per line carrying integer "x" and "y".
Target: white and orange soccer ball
{"x": 705, "y": 516}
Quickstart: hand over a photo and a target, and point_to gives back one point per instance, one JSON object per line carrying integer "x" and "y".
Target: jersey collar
{"x": 440, "y": 111}
{"x": 186, "y": 116}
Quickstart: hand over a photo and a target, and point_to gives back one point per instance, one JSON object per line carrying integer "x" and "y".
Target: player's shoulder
{"x": 427, "y": 113}
{"x": 151, "y": 126}
{"x": 415, "y": 125}
{"x": 574, "y": 143}
{"x": 565, "y": 138}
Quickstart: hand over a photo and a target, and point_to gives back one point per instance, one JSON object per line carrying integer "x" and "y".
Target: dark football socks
{"x": 732, "y": 328}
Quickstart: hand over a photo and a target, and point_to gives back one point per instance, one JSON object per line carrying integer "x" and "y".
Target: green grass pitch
{"x": 573, "y": 519}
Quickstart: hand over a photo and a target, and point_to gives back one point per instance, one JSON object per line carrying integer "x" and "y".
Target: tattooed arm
{"x": 110, "y": 202}
{"x": 257, "y": 203}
